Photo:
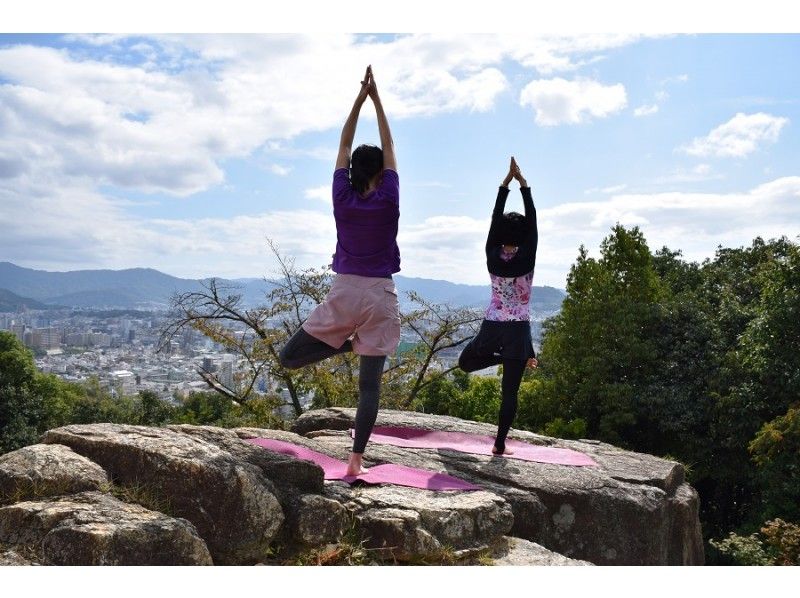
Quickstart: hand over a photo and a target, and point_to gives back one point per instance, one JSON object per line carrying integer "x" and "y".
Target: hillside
{"x": 11, "y": 302}
{"x": 149, "y": 288}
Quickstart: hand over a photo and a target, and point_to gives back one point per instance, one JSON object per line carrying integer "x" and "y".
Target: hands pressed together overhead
{"x": 515, "y": 173}
{"x": 368, "y": 87}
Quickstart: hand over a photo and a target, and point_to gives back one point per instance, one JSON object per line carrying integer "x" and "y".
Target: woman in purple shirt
{"x": 361, "y": 311}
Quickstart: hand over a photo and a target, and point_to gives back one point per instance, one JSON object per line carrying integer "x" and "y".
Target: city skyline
{"x": 183, "y": 153}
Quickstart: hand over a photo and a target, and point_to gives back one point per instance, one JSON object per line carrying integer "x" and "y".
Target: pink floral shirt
{"x": 510, "y": 297}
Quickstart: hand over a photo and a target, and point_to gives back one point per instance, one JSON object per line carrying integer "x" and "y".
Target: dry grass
{"x": 145, "y": 495}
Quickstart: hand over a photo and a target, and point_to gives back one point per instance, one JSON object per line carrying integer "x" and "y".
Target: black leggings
{"x": 304, "y": 349}
{"x": 513, "y": 369}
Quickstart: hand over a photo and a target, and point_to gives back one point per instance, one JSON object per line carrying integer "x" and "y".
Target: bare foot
{"x": 354, "y": 466}
{"x": 506, "y": 451}
{"x": 356, "y": 472}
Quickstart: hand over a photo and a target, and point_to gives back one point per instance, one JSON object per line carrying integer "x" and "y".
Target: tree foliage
{"x": 695, "y": 361}
{"x": 22, "y": 404}
{"x": 600, "y": 351}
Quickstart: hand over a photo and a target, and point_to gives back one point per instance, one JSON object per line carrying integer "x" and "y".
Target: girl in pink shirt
{"x": 505, "y": 334}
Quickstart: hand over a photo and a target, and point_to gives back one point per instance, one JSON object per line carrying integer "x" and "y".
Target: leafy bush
{"x": 777, "y": 544}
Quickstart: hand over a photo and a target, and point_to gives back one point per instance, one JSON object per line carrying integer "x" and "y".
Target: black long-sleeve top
{"x": 525, "y": 259}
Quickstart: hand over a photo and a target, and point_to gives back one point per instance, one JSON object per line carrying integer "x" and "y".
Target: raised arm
{"x": 387, "y": 145}
{"x": 499, "y": 207}
{"x": 349, "y": 129}
{"x": 492, "y": 239}
{"x": 532, "y": 241}
{"x": 527, "y": 198}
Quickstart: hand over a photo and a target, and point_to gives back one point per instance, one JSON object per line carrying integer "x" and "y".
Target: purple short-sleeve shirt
{"x": 366, "y": 227}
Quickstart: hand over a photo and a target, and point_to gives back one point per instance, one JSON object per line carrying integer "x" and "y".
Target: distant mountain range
{"x": 146, "y": 288}
{"x": 11, "y": 302}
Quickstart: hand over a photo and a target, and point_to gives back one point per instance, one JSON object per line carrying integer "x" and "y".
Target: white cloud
{"x": 558, "y": 101}
{"x": 553, "y": 53}
{"x": 321, "y": 193}
{"x": 69, "y": 125}
{"x": 700, "y": 172}
{"x": 702, "y": 169}
{"x": 693, "y": 222}
{"x": 47, "y": 229}
{"x": 160, "y": 113}
{"x": 740, "y": 136}
{"x": 683, "y": 78}
{"x": 279, "y": 170}
{"x": 607, "y": 190}
{"x": 442, "y": 247}
{"x": 661, "y": 96}
{"x": 287, "y": 151}
{"x": 646, "y": 110}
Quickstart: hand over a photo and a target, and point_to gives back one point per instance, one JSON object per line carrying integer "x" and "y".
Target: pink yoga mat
{"x": 476, "y": 444}
{"x": 399, "y": 475}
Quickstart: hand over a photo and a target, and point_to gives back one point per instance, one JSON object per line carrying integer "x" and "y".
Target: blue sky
{"x": 184, "y": 153}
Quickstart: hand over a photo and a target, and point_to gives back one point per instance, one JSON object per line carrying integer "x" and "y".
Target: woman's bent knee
{"x": 466, "y": 365}
{"x": 286, "y": 360}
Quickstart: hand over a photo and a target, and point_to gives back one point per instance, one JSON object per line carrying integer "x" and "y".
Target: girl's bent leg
{"x": 513, "y": 369}
{"x": 471, "y": 361}
{"x": 303, "y": 349}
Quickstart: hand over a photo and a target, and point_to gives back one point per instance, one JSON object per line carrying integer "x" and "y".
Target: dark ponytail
{"x": 365, "y": 163}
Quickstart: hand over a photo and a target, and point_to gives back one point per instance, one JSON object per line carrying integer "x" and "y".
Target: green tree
{"x": 599, "y": 352}
{"x": 776, "y": 452}
{"x": 777, "y": 544}
{"x": 22, "y": 407}
{"x": 153, "y": 411}
{"x": 690, "y": 360}
{"x": 30, "y": 402}
{"x": 214, "y": 409}
{"x": 754, "y": 294}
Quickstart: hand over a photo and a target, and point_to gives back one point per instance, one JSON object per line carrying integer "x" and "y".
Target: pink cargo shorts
{"x": 360, "y": 307}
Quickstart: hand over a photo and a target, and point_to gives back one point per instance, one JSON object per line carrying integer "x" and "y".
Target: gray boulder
{"x": 632, "y": 509}
{"x": 46, "y": 470}
{"x": 92, "y": 528}
{"x": 408, "y": 523}
{"x": 289, "y": 475}
{"x": 399, "y": 522}
{"x": 230, "y": 502}
{"x": 311, "y": 519}
{"x": 10, "y": 557}
{"x": 516, "y": 551}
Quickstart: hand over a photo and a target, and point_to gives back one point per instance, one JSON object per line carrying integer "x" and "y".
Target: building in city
{"x": 123, "y": 382}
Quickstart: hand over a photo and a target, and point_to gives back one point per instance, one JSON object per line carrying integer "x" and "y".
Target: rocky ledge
{"x": 127, "y": 495}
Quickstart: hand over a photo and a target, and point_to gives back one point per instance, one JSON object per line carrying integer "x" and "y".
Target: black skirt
{"x": 508, "y": 340}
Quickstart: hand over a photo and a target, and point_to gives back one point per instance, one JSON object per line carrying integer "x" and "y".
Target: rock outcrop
{"x": 120, "y": 494}
{"x": 230, "y": 502}
{"x": 515, "y": 551}
{"x": 46, "y": 470}
{"x": 92, "y": 528}
{"x": 632, "y": 509}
